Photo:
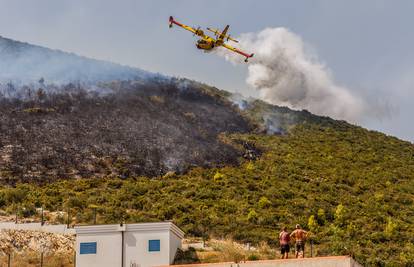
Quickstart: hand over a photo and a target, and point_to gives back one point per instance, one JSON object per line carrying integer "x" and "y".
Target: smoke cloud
{"x": 25, "y": 63}
{"x": 285, "y": 73}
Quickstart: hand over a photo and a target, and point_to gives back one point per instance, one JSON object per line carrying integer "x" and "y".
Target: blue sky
{"x": 367, "y": 45}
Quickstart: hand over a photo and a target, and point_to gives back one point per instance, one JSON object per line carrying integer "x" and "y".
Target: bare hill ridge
{"x": 23, "y": 63}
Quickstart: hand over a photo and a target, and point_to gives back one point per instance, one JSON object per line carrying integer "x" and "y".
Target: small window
{"x": 154, "y": 245}
{"x": 87, "y": 248}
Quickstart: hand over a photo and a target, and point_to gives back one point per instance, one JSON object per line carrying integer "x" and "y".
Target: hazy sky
{"x": 367, "y": 45}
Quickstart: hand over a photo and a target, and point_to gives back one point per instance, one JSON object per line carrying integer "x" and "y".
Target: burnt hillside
{"x": 133, "y": 128}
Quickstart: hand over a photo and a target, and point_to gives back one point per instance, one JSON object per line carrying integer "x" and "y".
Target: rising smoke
{"x": 286, "y": 74}
{"x": 22, "y": 63}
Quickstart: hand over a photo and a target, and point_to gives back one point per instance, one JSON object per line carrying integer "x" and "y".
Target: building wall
{"x": 175, "y": 243}
{"x": 108, "y": 251}
{"x": 137, "y": 250}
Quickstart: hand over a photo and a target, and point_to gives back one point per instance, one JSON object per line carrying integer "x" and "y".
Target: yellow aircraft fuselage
{"x": 206, "y": 43}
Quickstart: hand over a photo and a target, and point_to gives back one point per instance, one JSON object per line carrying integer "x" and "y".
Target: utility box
{"x": 128, "y": 245}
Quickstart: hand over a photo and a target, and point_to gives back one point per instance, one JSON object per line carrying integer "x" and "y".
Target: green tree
{"x": 321, "y": 218}
{"x": 250, "y": 166}
{"x": 390, "y": 227}
{"x": 312, "y": 224}
{"x": 340, "y": 215}
{"x": 252, "y": 216}
{"x": 264, "y": 202}
{"x": 218, "y": 176}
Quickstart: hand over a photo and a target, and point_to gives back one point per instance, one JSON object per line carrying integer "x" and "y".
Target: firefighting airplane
{"x": 207, "y": 43}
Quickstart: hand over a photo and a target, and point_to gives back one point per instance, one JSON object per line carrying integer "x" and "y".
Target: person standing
{"x": 300, "y": 237}
{"x": 284, "y": 239}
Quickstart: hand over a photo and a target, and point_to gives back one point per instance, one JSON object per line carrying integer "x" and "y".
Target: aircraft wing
{"x": 217, "y": 33}
{"x": 224, "y": 32}
{"x": 238, "y": 51}
{"x": 188, "y": 28}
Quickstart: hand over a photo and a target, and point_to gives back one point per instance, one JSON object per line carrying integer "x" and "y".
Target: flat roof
{"x": 133, "y": 227}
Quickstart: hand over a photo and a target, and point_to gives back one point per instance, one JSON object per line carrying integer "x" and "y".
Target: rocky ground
{"x": 26, "y": 248}
{"x": 35, "y": 241}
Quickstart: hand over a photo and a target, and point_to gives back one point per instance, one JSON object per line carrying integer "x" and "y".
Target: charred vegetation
{"x": 117, "y": 129}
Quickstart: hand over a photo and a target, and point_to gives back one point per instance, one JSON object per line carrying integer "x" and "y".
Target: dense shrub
{"x": 352, "y": 187}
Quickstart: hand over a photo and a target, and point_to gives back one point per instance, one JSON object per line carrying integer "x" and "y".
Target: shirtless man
{"x": 300, "y": 237}
{"x": 284, "y": 239}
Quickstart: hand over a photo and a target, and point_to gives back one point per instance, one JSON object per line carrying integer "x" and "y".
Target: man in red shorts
{"x": 284, "y": 239}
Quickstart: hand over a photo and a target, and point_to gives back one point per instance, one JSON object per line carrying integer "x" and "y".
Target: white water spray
{"x": 286, "y": 74}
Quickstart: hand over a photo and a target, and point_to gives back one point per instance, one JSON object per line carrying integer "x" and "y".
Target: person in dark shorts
{"x": 284, "y": 239}
{"x": 300, "y": 237}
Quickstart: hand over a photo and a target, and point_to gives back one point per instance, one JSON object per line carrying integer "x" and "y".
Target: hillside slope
{"x": 166, "y": 149}
{"x": 352, "y": 188}
{"x": 135, "y": 128}
{"x": 24, "y": 63}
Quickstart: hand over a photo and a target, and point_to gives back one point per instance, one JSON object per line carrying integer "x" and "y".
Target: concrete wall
{"x": 108, "y": 250}
{"x": 58, "y": 229}
{"x": 137, "y": 237}
{"x": 337, "y": 261}
{"x": 175, "y": 244}
{"x": 136, "y": 248}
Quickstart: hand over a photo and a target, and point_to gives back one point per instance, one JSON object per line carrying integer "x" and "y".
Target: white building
{"x": 128, "y": 245}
